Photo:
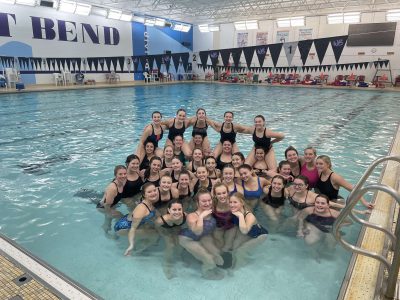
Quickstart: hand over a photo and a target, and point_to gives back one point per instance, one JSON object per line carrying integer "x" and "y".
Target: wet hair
{"x": 210, "y": 157}
{"x": 145, "y": 187}
{"x": 312, "y": 149}
{"x": 201, "y": 109}
{"x": 174, "y": 201}
{"x": 259, "y": 148}
{"x": 147, "y": 171}
{"x": 246, "y": 166}
{"x": 260, "y": 116}
{"x": 303, "y": 178}
{"x": 279, "y": 177}
{"x": 177, "y": 136}
{"x": 242, "y": 200}
{"x": 228, "y": 112}
{"x": 117, "y": 168}
{"x": 150, "y": 142}
{"x": 181, "y": 109}
{"x": 201, "y": 191}
{"x": 228, "y": 166}
{"x": 282, "y": 163}
{"x": 183, "y": 172}
{"x": 323, "y": 196}
{"x": 217, "y": 185}
{"x": 156, "y": 112}
{"x": 227, "y": 141}
{"x": 240, "y": 154}
{"x": 326, "y": 159}
{"x": 291, "y": 148}
{"x": 202, "y": 154}
{"x": 131, "y": 157}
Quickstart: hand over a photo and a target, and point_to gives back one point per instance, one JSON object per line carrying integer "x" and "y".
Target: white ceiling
{"x": 227, "y": 11}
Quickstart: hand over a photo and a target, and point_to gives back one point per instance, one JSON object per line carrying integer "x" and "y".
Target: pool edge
{"x": 363, "y": 279}
{"x": 56, "y": 281}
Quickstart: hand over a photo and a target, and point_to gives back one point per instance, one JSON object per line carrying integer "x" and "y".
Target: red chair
{"x": 397, "y": 81}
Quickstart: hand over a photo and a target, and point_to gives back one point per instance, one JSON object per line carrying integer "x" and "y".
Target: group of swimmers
{"x": 204, "y": 200}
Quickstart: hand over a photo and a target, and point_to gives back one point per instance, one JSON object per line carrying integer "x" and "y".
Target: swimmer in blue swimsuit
{"x": 140, "y": 222}
{"x": 251, "y": 233}
{"x": 252, "y": 185}
{"x": 197, "y": 238}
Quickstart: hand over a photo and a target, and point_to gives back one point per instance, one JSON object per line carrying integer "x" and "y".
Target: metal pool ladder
{"x": 358, "y": 191}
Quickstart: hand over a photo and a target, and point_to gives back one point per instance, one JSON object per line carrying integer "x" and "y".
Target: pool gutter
{"x": 365, "y": 276}
{"x": 57, "y": 282}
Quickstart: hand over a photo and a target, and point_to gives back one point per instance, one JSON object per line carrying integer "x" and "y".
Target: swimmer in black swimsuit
{"x": 169, "y": 225}
{"x": 152, "y": 173}
{"x": 225, "y": 158}
{"x": 149, "y": 153}
{"x": 166, "y": 192}
{"x": 184, "y": 188}
{"x": 112, "y": 196}
{"x": 295, "y": 161}
{"x": 319, "y": 221}
{"x": 176, "y": 127}
{"x": 227, "y": 130}
{"x": 197, "y": 160}
{"x": 273, "y": 202}
{"x": 211, "y": 165}
{"x": 199, "y": 131}
{"x": 152, "y": 132}
{"x": 263, "y": 137}
{"x": 133, "y": 183}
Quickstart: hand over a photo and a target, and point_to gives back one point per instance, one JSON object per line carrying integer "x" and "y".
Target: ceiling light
{"x": 335, "y": 19}
{"x": 204, "y": 28}
{"x": 26, "y": 2}
{"x": 99, "y": 11}
{"x": 159, "y": 22}
{"x": 186, "y": 27}
{"x": 177, "y": 27}
{"x": 252, "y": 24}
{"x": 353, "y": 17}
{"x": 83, "y": 9}
{"x": 138, "y": 19}
{"x": 114, "y": 14}
{"x": 126, "y": 17}
{"x": 149, "y": 22}
{"x": 7, "y": 1}
{"x": 240, "y": 25}
{"x": 393, "y": 15}
{"x": 283, "y": 22}
{"x": 67, "y": 6}
{"x": 213, "y": 27}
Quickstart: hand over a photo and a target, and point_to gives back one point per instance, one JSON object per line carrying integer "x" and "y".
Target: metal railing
{"x": 358, "y": 191}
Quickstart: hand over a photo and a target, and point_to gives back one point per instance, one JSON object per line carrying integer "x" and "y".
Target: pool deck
{"x": 52, "y": 87}
{"x": 24, "y": 276}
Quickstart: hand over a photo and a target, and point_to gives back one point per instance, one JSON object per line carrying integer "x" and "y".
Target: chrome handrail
{"x": 358, "y": 191}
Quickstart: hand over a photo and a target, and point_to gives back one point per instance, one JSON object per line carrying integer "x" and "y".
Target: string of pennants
{"x": 98, "y": 64}
{"x": 294, "y": 69}
{"x": 321, "y": 45}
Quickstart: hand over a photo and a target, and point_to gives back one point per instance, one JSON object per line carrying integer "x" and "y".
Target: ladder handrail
{"x": 358, "y": 191}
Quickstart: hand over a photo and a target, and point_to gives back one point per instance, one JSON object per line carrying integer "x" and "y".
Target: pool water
{"x": 54, "y": 144}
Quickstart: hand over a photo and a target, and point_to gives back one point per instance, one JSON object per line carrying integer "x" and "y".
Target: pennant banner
{"x": 214, "y": 57}
{"x": 338, "y": 44}
{"x": 304, "y": 48}
{"x": 321, "y": 45}
{"x": 204, "y": 58}
{"x": 261, "y": 51}
{"x": 225, "y": 55}
{"x": 275, "y": 50}
{"x": 248, "y": 55}
{"x": 290, "y": 49}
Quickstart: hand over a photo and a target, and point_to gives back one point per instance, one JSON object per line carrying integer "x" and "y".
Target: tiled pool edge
{"x": 363, "y": 279}
{"x": 62, "y": 286}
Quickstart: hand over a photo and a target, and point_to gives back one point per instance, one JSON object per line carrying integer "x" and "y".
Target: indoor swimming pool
{"x": 58, "y": 151}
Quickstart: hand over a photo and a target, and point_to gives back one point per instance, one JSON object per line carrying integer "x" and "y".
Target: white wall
{"x": 227, "y": 38}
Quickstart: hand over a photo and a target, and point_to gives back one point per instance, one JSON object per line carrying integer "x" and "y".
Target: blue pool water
{"x": 54, "y": 144}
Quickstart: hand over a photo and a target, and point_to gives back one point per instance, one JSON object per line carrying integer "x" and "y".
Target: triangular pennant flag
{"x": 135, "y": 61}
{"x": 78, "y": 63}
{"x": 321, "y": 45}
{"x": 365, "y": 65}
{"x": 159, "y": 60}
{"x": 347, "y": 66}
{"x": 175, "y": 58}
{"x": 48, "y": 62}
{"x": 68, "y": 64}
{"x": 33, "y": 64}
{"x": 203, "y": 58}
{"x": 370, "y": 64}
{"x": 261, "y": 51}
{"x": 338, "y": 43}
{"x": 102, "y": 61}
{"x": 275, "y": 50}
{"x": 248, "y": 55}
{"x": 114, "y": 61}
{"x": 236, "y": 53}
{"x": 356, "y": 66}
{"x": 225, "y": 54}
{"x": 121, "y": 61}
{"x": 185, "y": 60}
{"x": 144, "y": 61}
{"x": 386, "y": 62}
{"x": 214, "y": 57}
{"x": 290, "y": 49}
{"x": 381, "y": 64}
{"x": 167, "y": 61}
{"x": 151, "y": 61}
{"x": 329, "y": 67}
{"x": 304, "y": 49}
{"x": 58, "y": 61}
{"x": 108, "y": 63}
